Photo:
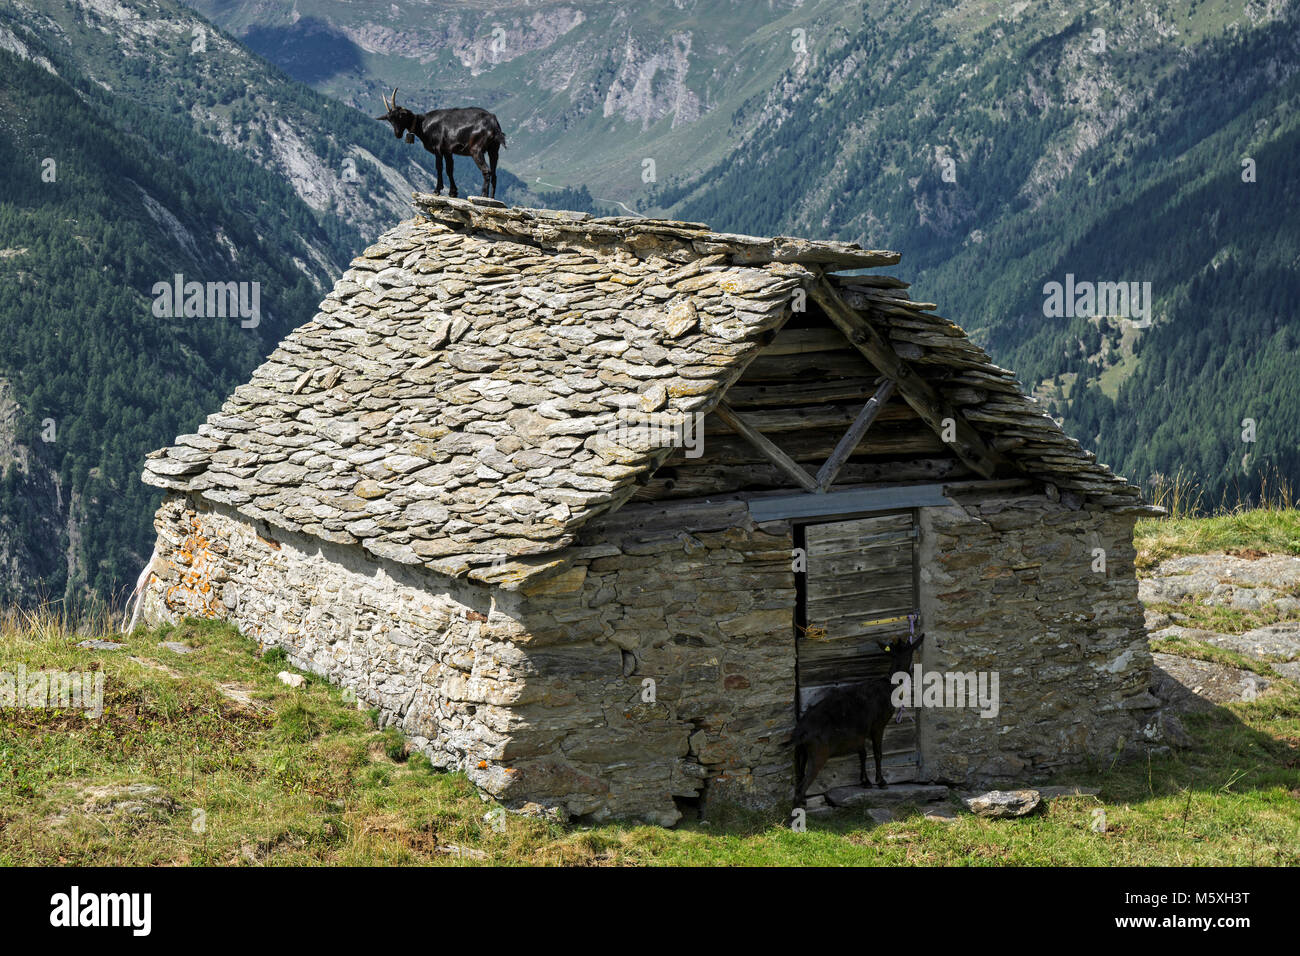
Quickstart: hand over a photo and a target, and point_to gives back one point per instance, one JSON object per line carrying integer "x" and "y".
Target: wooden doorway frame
{"x": 800, "y": 541}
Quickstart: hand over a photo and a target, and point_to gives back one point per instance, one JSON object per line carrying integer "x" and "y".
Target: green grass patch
{"x": 1220, "y": 619}
{"x": 240, "y": 769}
{"x": 1271, "y": 530}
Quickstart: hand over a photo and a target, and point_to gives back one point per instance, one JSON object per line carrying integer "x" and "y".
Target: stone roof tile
{"x": 451, "y": 403}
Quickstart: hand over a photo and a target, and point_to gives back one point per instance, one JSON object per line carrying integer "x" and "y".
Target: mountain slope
{"x": 93, "y": 215}
{"x": 586, "y": 90}
{"x": 1112, "y": 161}
{"x": 160, "y": 54}
{"x": 138, "y": 144}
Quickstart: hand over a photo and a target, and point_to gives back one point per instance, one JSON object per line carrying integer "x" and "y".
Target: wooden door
{"x": 859, "y": 588}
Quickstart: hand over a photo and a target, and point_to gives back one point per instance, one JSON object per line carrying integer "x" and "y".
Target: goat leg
{"x": 800, "y": 766}
{"x": 451, "y": 174}
{"x": 818, "y": 753}
{"x": 477, "y": 155}
{"x": 437, "y": 164}
{"x": 877, "y": 747}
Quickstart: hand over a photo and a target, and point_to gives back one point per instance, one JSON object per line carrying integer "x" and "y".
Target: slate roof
{"x": 450, "y": 403}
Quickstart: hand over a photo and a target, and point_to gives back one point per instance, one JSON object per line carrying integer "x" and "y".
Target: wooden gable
{"x": 803, "y": 392}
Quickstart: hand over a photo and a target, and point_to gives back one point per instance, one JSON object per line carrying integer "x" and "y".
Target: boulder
{"x": 1004, "y": 804}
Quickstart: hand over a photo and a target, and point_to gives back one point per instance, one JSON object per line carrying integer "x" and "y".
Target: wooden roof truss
{"x": 897, "y": 376}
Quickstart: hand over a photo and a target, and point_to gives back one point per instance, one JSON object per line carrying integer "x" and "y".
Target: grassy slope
{"x": 301, "y": 777}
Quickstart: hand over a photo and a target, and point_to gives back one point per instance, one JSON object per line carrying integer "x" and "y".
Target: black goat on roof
{"x": 470, "y": 131}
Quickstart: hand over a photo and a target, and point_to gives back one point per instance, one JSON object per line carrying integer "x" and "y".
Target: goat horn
{"x": 394, "y": 97}
{"x": 384, "y": 96}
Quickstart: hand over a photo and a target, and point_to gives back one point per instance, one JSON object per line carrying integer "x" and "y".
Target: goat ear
{"x": 919, "y": 638}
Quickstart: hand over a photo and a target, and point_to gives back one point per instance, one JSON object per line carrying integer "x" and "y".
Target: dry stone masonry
{"x": 419, "y": 495}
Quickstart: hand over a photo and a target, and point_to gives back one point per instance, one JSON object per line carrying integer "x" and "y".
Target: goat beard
{"x": 410, "y": 137}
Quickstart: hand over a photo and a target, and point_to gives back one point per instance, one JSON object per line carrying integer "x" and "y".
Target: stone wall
{"x": 540, "y": 696}
{"x": 660, "y": 664}
{"x": 1008, "y": 585}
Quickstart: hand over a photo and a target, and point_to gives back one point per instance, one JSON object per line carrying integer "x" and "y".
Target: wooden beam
{"x": 771, "y": 421}
{"x": 743, "y": 396}
{"x": 826, "y": 474}
{"x": 967, "y": 443}
{"x": 852, "y": 501}
{"x": 773, "y": 454}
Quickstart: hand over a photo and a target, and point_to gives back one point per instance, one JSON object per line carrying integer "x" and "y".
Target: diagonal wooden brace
{"x": 773, "y": 454}
{"x": 844, "y": 448}
{"x": 967, "y": 444}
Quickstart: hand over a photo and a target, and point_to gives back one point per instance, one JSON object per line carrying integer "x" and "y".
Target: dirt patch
{"x": 1250, "y": 554}
{"x": 242, "y": 695}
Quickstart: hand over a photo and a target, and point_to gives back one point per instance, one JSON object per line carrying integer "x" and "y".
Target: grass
{"x": 1201, "y": 651}
{"x": 1218, "y": 618}
{"x": 265, "y": 774}
{"x": 1271, "y": 526}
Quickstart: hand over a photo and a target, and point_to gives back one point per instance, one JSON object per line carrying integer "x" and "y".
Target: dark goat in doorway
{"x": 471, "y": 132}
{"x": 844, "y": 719}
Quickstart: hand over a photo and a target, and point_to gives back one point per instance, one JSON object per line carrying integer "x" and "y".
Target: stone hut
{"x": 588, "y": 507}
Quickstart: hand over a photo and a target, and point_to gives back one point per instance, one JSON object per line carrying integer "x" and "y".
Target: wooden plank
{"x": 848, "y": 502}
{"x": 770, "y": 451}
{"x": 685, "y": 478}
{"x": 856, "y": 536}
{"x": 854, "y": 639}
{"x": 798, "y": 341}
{"x": 834, "y": 558}
{"x": 849, "y": 587}
{"x": 865, "y": 525}
{"x": 857, "y": 610}
{"x": 854, "y": 541}
{"x": 814, "y": 445}
{"x": 870, "y": 411}
{"x": 967, "y": 444}
{"x": 890, "y": 608}
{"x": 823, "y": 669}
{"x": 802, "y": 417}
{"x": 883, "y": 621}
{"x": 810, "y": 366}
{"x": 853, "y": 586}
{"x": 851, "y": 661}
{"x": 744, "y": 395}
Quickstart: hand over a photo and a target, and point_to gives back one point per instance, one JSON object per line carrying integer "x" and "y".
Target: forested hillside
{"x": 82, "y": 347}
{"x": 1000, "y": 147}
{"x": 120, "y": 169}
{"x": 1119, "y": 142}
{"x": 586, "y": 90}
